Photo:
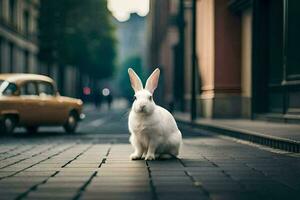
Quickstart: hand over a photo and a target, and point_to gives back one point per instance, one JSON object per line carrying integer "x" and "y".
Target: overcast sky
{"x": 121, "y": 9}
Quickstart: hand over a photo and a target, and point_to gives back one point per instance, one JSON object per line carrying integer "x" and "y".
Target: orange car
{"x": 31, "y": 101}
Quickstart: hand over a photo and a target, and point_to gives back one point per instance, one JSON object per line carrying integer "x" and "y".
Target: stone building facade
{"x": 246, "y": 55}
{"x": 18, "y": 36}
{"x": 19, "y": 45}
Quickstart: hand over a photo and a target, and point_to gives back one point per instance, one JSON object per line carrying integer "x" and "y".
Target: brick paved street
{"x": 94, "y": 164}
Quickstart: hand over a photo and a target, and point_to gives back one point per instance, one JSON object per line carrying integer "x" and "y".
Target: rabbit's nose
{"x": 143, "y": 107}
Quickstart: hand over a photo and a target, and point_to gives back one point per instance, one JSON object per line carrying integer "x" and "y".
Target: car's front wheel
{"x": 72, "y": 122}
{"x": 8, "y": 125}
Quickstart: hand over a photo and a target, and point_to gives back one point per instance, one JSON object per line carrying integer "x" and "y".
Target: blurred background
{"x": 219, "y": 59}
{"x": 228, "y": 67}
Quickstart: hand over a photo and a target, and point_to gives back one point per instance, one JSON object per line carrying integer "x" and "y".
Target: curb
{"x": 258, "y": 138}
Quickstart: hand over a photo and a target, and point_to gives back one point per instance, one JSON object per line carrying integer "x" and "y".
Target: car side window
{"x": 29, "y": 88}
{"x": 46, "y": 88}
{"x": 10, "y": 90}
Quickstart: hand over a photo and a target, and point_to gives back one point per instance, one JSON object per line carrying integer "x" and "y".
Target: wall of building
{"x": 219, "y": 55}
{"x": 167, "y": 63}
{"x": 223, "y": 50}
{"x": 19, "y": 47}
{"x": 18, "y": 33}
{"x": 227, "y": 72}
{"x": 246, "y": 62}
{"x": 205, "y": 54}
{"x": 187, "y": 54}
{"x": 235, "y": 38}
{"x": 162, "y": 38}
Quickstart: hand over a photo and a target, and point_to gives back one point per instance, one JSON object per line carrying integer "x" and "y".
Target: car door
{"x": 52, "y": 109}
{"x": 30, "y": 106}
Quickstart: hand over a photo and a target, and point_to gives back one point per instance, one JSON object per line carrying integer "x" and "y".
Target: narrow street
{"x": 94, "y": 164}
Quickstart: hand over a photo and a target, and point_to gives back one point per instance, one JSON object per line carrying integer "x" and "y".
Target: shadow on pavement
{"x": 188, "y": 131}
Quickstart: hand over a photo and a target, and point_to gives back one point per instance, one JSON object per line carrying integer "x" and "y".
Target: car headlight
{"x": 82, "y": 116}
{"x": 79, "y": 102}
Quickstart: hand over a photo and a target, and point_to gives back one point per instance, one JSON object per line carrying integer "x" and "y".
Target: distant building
{"x": 163, "y": 39}
{"x": 246, "y": 55}
{"x": 131, "y": 47}
{"x": 19, "y": 44}
{"x": 131, "y": 36}
{"x": 18, "y": 36}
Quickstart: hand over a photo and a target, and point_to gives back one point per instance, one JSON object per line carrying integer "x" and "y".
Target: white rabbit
{"x": 154, "y": 132}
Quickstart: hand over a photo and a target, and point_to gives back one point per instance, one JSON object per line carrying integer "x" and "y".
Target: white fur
{"x": 154, "y": 132}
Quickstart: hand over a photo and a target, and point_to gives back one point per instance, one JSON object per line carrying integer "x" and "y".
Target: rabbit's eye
{"x": 134, "y": 98}
{"x": 150, "y": 98}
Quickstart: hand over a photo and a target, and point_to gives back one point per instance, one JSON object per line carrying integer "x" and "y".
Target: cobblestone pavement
{"x": 94, "y": 164}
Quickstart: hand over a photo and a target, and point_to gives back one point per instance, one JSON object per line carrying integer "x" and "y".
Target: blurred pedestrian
{"x": 109, "y": 100}
{"x": 98, "y": 99}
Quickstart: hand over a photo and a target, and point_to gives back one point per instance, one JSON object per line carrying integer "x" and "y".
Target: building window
{"x": 12, "y": 11}
{"x": 26, "y": 23}
{"x": 1, "y": 7}
{"x": 11, "y": 57}
{"x": 26, "y": 55}
{"x": 34, "y": 29}
{"x": 0, "y": 54}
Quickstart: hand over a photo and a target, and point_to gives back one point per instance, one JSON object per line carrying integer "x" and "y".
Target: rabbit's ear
{"x": 135, "y": 81}
{"x": 152, "y": 81}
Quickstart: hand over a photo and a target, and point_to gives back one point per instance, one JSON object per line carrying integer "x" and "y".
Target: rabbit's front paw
{"x": 150, "y": 157}
{"x": 134, "y": 156}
